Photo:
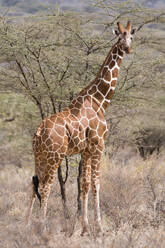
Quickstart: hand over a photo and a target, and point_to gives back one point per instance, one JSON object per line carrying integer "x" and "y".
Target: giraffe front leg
{"x": 95, "y": 179}
{"x": 86, "y": 172}
{"x": 45, "y": 183}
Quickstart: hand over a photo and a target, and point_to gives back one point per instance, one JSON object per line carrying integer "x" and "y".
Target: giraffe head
{"x": 125, "y": 36}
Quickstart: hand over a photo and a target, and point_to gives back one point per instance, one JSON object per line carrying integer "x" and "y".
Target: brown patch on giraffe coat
{"x": 92, "y": 90}
{"x": 72, "y": 117}
{"x": 78, "y": 105}
{"x": 115, "y": 72}
{"x": 55, "y": 147}
{"x": 73, "y": 102}
{"x": 114, "y": 49}
{"x": 120, "y": 52}
{"x": 50, "y": 155}
{"x": 44, "y": 137}
{"x": 107, "y": 76}
{"x": 104, "y": 71}
{"x": 113, "y": 83}
{"x": 36, "y": 141}
{"x": 90, "y": 113}
{"x": 95, "y": 105}
{"x": 92, "y": 123}
{"x": 51, "y": 161}
{"x": 103, "y": 87}
{"x": 92, "y": 135}
{"x": 48, "y": 166}
{"x": 71, "y": 143}
{"x": 112, "y": 64}
{"x": 63, "y": 149}
{"x": 119, "y": 61}
{"x": 98, "y": 96}
{"x": 43, "y": 147}
{"x": 51, "y": 172}
{"x": 56, "y": 157}
{"x": 76, "y": 140}
{"x": 101, "y": 129}
{"x": 105, "y": 104}
{"x": 42, "y": 131}
{"x": 80, "y": 128}
{"x": 87, "y": 101}
{"x": 110, "y": 94}
{"x": 45, "y": 179}
{"x": 45, "y": 153}
{"x": 57, "y": 138}
{"x": 65, "y": 113}
{"x": 94, "y": 143}
{"x": 48, "y": 142}
{"x": 109, "y": 59}
{"x": 75, "y": 125}
{"x": 51, "y": 146}
{"x": 82, "y": 136}
{"x": 86, "y": 186}
{"x": 75, "y": 111}
{"x": 75, "y": 133}
{"x": 82, "y": 112}
{"x": 68, "y": 120}
{"x": 76, "y": 149}
{"x": 80, "y": 99}
{"x": 60, "y": 120}
{"x": 59, "y": 130}
{"x": 53, "y": 118}
{"x": 49, "y": 124}
{"x": 50, "y": 180}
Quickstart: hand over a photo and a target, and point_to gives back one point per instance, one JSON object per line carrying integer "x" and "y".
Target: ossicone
{"x": 124, "y": 30}
{"x": 120, "y": 27}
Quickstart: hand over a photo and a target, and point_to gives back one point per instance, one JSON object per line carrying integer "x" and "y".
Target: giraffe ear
{"x": 133, "y": 30}
{"x": 115, "y": 32}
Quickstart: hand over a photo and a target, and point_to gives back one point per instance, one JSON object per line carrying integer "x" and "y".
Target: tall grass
{"x": 132, "y": 206}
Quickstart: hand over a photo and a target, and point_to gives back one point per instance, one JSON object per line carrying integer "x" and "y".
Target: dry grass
{"x": 132, "y": 206}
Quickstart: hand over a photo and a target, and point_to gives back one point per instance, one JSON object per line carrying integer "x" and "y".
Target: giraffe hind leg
{"x": 45, "y": 184}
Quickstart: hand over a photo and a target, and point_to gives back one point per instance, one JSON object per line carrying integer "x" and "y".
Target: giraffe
{"x": 80, "y": 128}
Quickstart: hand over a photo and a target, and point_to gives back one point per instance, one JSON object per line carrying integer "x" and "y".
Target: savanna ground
{"x": 132, "y": 207}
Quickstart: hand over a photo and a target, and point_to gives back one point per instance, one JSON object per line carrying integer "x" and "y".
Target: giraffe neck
{"x": 105, "y": 82}
{"x": 101, "y": 90}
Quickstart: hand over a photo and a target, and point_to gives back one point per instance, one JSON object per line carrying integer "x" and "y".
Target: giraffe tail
{"x": 35, "y": 181}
